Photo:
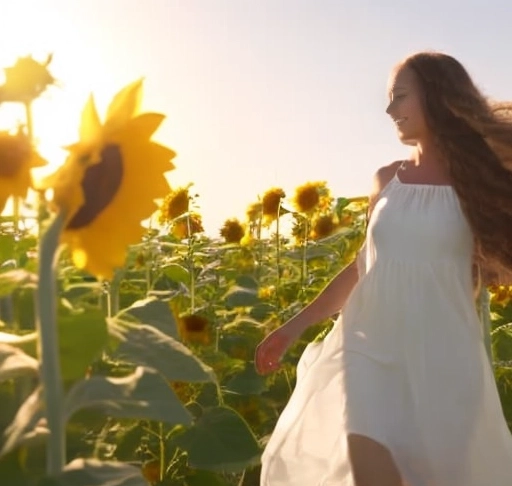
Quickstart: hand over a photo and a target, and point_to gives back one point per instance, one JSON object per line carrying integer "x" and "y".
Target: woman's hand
{"x": 270, "y": 351}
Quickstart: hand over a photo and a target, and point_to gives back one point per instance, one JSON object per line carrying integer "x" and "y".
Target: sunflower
{"x": 323, "y": 226}
{"x": 26, "y": 80}
{"x": 175, "y": 204}
{"x": 109, "y": 182}
{"x": 500, "y": 294}
{"x": 299, "y": 228}
{"x": 187, "y": 226}
{"x": 346, "y": 219}
{"x": 247, "y": 240}
{"x": 194, "y": 328}
{"x": 254, "y": 212}
{"x": 232, "y": 231}
{"x": 271, "y": 203}
{"x": 312, "y": 196}
{"x": 17, "y": 158}
{"x": 267, "y": 292}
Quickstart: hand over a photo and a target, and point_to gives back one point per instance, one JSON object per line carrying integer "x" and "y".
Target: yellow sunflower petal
{"x": 17, "y": 159}
{"x": 65, "y": 182}
{"x": 110, "y": 183}
{"x": 90, "y": 123}
{"x": 37, "y": 161}
{"x": 124, "y": 105}
{"x": 144, "y": 125}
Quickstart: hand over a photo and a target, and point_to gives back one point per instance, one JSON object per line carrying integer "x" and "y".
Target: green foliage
{"x": 220, "y": 440}
{"x": 149, "y": 400}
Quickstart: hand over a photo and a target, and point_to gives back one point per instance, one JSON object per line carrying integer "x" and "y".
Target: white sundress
{"x": 405, "y": 363}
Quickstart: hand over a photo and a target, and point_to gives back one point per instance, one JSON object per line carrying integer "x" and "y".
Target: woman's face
{"x": 406, "y": 107}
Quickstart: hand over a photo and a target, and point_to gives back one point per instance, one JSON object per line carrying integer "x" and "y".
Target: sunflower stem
{"x": 46, "y": 322}
{"x": 190, "y": 262}
{"x": 41, "y": 202}
{"x": 260, "y": 248}
{"x": 16, "y": 214}
{"x": 304, "y": 269}
{"x": 161, "y": 445}
{"x": 28, "y": 117}
{"x": 278, "y": 258}
{"x": 484, "y": 312}
{"x": 113, "y": 294}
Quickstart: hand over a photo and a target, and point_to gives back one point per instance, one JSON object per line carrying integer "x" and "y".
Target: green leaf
{"x": 341, "y": 204}
{"x": 247, "y": 282}
{"x": 24, "y": 427}
{"x": 263, "y": 311}
{"x": 311, "y": 253}
{"x": 247, "y": 382}
{"x": 501, "y": 343}
{"x": 14, "y": 363}
{"x": 11, "y": 280}
{"x": 156, "y": 313}
{"x": 82, "y": 290}
{"x": 24, "y": 312}
{"x": 82, "y": 337}
{"x": 177, "y": 273}
{"x": 144, "y": 394}
{"x": 239, "y": 339}
{"x": 7, "y": 247}
{"x": 203, "y": 478}
{"x": 25, "y": 342}
{"x": 128, "y": 440}
{"x": 238, "y": 296}
{"x": 145, "y": 345}
{"x": 221, "y": 440}
{"x": 92, "y": 472}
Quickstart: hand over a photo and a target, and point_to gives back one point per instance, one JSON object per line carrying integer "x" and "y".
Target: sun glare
{"x": 37, "y": 29}
{"x": 32, "y": 28}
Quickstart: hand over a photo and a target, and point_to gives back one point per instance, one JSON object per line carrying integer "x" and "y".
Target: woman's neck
{"x": 426, "y": 153}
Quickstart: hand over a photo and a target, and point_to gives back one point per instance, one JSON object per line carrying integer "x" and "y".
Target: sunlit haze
{"x": 257, "y": 93}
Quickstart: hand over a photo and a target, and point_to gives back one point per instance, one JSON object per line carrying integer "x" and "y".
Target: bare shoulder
{"x": 383, "y": 175}
{"x": 381, "y": 178}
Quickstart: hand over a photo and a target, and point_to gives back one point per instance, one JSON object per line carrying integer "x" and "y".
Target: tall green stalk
{"x": 259, "y": 249}
{"x": 46, "y": 322}
{"x": 190, "y": 264}
{"x": 304, "y": 267}
{"x": 41, "y": 202}
{"x": 278, "y": 258}
{"x": 484, "y": 312}
{"x": 113, "y": 293}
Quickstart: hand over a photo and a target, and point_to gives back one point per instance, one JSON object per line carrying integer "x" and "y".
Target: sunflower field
{"x": 126, "y": 349}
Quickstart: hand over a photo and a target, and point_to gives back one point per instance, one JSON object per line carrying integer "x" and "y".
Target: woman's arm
{"x": 333, "y": 297}
{"x": 328, "y": 302}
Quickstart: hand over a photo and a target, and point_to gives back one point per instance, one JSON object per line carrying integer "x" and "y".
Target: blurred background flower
{"x": 187, "y": 226}
{"x": 271, "y": 204}
{"x": 175, "y": 204}
{"x": 312, "y": 196}
{"x": 232, "y": 231}
{"x": 26, "y": 80}
{"x": 17, "y": 159}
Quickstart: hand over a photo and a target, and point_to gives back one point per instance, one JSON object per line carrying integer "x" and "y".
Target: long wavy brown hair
{"x": 475, "y": 136}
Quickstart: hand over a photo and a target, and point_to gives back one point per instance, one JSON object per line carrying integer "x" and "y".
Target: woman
{"x": 401, "y": 392}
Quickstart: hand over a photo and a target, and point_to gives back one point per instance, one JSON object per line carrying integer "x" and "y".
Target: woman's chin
{"x": 407, "y": 138}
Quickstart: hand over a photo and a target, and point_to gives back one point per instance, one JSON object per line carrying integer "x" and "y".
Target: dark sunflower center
{"x": 13, "y": 153}
{"x": 100, "y": 184}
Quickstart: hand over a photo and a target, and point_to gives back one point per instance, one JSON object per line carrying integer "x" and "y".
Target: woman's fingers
{"x": 269, "y": 352}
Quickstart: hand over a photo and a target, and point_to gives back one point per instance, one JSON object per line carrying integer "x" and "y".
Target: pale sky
{"x": 257, "y": 93}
